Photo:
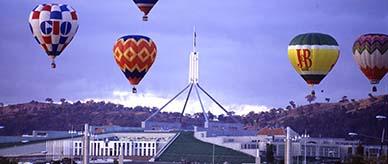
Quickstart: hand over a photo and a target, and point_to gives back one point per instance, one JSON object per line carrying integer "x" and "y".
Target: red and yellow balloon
{"x": 134, "y": 54}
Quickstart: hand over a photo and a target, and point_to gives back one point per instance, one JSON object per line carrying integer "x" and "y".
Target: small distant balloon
{"x": 53, "y": 27}
{"x": 145, "y": 6}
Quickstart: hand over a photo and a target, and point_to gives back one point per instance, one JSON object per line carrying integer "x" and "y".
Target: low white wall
{"x": 25, "y": 149}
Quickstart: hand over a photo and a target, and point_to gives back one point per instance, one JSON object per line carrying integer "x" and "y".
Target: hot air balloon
{"x": 145, "y": 6}
{"x": 134, "y": 54}
{"x": 53, "y": 27}
{"x": 371, "y": 53}
{"x": 313, "y": 55}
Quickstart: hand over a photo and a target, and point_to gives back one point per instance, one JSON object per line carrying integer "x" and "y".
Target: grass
{"x": 188, "y": 149}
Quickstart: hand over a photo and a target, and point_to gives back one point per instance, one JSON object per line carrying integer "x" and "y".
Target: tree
{"x": 372, "y": 98}
{"x": 221, "y": 117}
{"x": 62, "y": 100}
{"x": 360, "y": 150}
{"x": 344, "y": 99}
{"x": 231, "y": 113}
{"x": 310, "y": 98}
{"x": 288, "y": 107}
{"x": 358, "y": 157}
{"x": 269, "y": 154}
{"x": 210, "y": 115}
{"x": 386, "y": 99}
{"x": 90, "y": 102}
{"x": 293, "y": 105}
{"x": 49, "y": 100}
{"x": 327, "y": 100}
{"x": 8, "y": 161}
{"x": 68, "y": 161}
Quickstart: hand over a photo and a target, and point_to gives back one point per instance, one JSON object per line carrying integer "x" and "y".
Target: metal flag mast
{"x": 193, "y": 82}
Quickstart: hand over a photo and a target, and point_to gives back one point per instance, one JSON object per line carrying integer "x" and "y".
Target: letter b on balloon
{"x": 304, "y": 59}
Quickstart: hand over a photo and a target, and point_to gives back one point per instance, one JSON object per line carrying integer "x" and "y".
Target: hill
{"x": 336, "y": 119}
{"x": 318, "y": 119}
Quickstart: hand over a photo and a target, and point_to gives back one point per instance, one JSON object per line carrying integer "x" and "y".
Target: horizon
{"x": 191, "y": 108}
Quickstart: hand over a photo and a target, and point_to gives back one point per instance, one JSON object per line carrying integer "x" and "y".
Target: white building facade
{"x": 131, "y": 145}
{"x": 312, "y": 148}
{"x": 116, "y": 148}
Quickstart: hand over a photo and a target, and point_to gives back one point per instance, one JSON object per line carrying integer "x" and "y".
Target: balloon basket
{"x": 53, "y": 65}
{"x": 145, "y": 18}
{"x": 374, "y": 89}
{"x": 134, "y": 90}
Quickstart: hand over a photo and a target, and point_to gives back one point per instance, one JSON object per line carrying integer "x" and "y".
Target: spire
{"x": 193, "y": 65}
{"x": 194, "y": 40}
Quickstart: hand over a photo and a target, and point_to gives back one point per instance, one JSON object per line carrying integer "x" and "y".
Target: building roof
{"x": 271, "y": 131}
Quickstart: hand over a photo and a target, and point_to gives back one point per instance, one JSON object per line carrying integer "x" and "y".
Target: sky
{"x": 242, "y": 49}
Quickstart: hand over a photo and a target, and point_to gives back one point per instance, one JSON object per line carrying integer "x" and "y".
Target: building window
{"x": 114, "y": 149}
{"x": 98, "y": 149}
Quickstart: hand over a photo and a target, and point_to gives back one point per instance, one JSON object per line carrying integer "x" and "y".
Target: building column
{"x": 130, "y": 148}
{"x": 86, "y": 145}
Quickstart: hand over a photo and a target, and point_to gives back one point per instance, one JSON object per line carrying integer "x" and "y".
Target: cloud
{"x": 193, "y": 106}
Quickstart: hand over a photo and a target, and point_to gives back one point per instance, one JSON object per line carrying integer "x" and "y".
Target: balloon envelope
{"x": 134, "y": 54}
{"x": 313, "y": 55}
{"x": 53, "y": 27}
{"x": 370, "y": 52}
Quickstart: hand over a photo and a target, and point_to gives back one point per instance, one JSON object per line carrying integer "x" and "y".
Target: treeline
{"x": 317, "y": 119}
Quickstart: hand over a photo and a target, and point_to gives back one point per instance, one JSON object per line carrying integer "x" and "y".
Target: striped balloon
{"x": 313, "y": 55}
{"x": 371, "y": 53}
{"x": 53, "y": 27}
{"x": 134, "y": 54}
{"x": 145, "y": 6}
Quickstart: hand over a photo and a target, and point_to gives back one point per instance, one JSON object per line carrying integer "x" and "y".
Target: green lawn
{"x": 187, "y": 148}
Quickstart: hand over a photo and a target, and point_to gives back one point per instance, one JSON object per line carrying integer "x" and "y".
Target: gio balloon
{"x": 371, "y": 53}
{"x": 313, "y": 55}
{"x": 145, "y": 6}
{"x": 134, "y": 54}
{"x": 53, "y": 27}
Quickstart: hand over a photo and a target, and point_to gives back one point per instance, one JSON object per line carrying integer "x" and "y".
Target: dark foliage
{"x": 318, "y": 119}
